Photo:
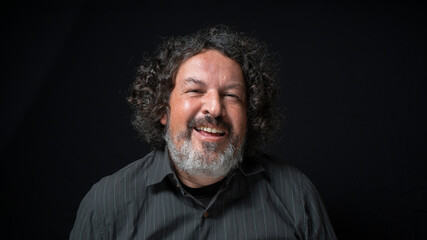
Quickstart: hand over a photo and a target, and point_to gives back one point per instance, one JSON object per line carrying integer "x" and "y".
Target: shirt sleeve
{"x": 317, "y": 223}
{"x": 87, "y": 224}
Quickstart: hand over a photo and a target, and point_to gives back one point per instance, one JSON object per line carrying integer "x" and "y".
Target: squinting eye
{"x": 194, "y": 91}
{"x": 231, "y": 95}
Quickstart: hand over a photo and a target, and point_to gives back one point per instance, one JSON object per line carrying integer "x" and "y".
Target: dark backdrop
{"x": 353, "y": 81}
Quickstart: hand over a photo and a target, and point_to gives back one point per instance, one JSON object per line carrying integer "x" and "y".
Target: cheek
{"x": 239, "y": 120}
{"x": 182, "y": 112}
{"x": 244, "y": 124}
{"x": 187, "y": 106}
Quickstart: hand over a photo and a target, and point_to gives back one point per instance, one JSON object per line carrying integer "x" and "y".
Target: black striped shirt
{"x": 262, "y": 199}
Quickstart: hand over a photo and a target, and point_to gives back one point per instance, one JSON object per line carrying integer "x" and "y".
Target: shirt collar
{"x": 250, "y": 167}
{"x": 160, "y": 168}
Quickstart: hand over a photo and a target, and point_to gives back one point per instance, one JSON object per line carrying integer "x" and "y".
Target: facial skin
{"x": 209, "y": 92}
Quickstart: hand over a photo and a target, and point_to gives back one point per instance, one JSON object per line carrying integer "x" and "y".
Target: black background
{"x": 352, "y": 79}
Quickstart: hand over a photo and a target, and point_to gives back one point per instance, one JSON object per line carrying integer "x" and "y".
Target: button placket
{"x": 176, "y": 182}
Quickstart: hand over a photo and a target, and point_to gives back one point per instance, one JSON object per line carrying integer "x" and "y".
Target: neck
{"x": 196, "y": 181}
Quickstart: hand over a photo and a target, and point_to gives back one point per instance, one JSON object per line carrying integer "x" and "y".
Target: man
{"x": 206, "y": 103}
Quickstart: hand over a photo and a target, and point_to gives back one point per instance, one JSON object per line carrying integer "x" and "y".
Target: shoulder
{"x": 295, "y": 189}
{"x": 127, "y": 185}
{"x": 287, "y": 180}
{"x": 128, "y": 173}
{"x": 278, "y": 171}
{"x": 105, "y": 202}
{"x": 126, "y": 180}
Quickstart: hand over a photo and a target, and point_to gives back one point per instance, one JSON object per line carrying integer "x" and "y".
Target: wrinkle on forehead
{"x": 225, "y": 70}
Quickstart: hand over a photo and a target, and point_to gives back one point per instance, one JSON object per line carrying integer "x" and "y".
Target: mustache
{"x": 219, "y": 121}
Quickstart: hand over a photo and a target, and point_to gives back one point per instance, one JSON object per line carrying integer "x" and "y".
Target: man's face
{"x": 208, "y": 106}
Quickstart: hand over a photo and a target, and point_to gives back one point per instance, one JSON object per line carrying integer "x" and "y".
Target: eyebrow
{"x": 235, "y": 85}
{"x": 191, "y": 80}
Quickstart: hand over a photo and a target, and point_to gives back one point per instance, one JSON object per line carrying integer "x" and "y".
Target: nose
{"x": 213, "y": 105}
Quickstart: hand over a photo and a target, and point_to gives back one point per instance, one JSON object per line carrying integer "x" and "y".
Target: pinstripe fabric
{"x": 262, "y": 199}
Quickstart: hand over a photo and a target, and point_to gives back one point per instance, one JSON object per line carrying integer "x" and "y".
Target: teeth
{"x": 208, "y": 129}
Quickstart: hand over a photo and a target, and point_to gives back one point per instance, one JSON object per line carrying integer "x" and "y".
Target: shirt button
{"x": 205, "y": 214}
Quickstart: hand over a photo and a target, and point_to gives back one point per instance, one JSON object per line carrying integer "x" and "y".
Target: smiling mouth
{"x": 209, "y": 130}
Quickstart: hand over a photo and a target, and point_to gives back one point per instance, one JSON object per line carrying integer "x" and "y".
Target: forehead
{"x": 210, "y": 65}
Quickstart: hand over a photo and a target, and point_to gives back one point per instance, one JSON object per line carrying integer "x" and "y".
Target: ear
{"x": 164, "y": 119}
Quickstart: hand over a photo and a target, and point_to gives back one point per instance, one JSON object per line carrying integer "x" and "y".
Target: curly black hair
{"x": 149, "y": 96}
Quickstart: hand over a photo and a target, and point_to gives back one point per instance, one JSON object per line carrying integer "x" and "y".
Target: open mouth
{"x": 210, "y": 131}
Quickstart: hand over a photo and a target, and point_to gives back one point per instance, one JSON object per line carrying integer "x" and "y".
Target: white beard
{"x": 209, "y": 163}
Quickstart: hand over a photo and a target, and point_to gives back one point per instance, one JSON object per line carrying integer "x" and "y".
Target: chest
{"x": 242, "y": 210}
